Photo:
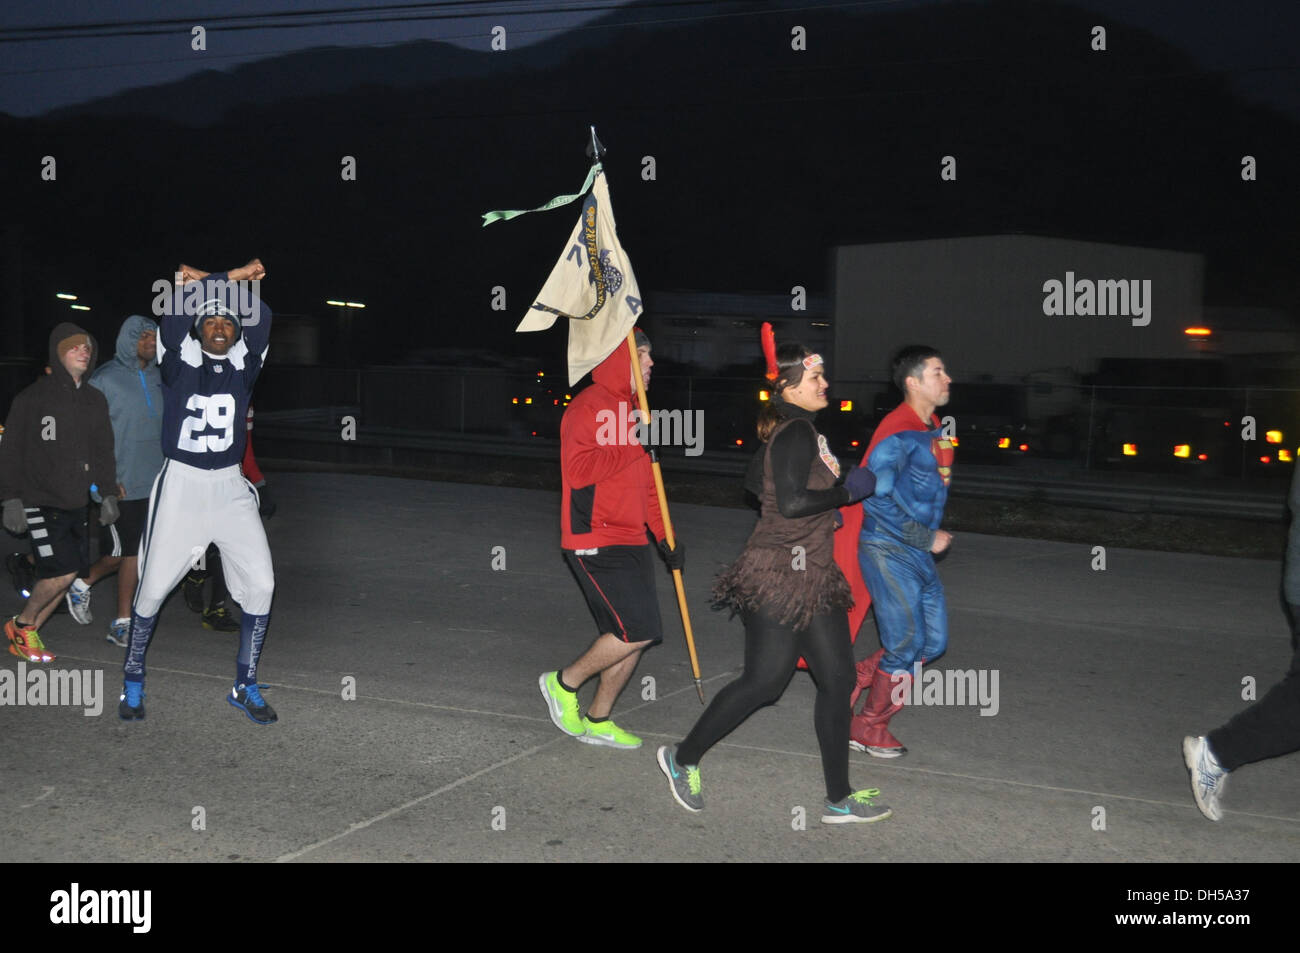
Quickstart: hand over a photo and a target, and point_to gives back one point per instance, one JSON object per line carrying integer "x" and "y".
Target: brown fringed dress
{"x": 788, "y": 567}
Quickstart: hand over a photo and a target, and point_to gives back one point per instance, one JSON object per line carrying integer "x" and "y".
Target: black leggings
{"x": 1266, "y": 729}
{"x": 771, "y": 650}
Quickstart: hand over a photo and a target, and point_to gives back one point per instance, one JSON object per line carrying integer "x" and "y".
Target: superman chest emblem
{"x": 941, "y": 447}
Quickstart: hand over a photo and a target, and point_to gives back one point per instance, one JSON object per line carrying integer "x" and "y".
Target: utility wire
{"x": 400, "y": 13}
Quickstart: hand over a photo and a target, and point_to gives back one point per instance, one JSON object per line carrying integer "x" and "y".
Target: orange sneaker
{"x": 25, "y": 642}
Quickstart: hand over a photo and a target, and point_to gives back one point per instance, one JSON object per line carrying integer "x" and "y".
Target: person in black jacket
{"x": 57, "y": 450}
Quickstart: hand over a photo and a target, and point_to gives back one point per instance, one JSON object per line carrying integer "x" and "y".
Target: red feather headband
{"x": 768, "y": 338}
{"x": 769, "y": 349}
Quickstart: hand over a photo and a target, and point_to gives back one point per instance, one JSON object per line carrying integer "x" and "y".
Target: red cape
{"x": 897, "y": 420}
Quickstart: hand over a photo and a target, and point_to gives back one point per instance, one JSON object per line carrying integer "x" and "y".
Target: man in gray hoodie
{"x": 132, "y": 384}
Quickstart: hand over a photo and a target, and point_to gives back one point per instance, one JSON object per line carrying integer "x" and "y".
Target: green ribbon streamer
{"x": 490, "y": 217}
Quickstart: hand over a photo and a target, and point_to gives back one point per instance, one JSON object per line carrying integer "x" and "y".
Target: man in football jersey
{"x": 215, "y": 615}
{"x": 211, "y": 347}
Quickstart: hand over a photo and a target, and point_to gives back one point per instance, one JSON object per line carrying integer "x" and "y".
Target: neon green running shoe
{"x": 563, "y": 705}
{"x": 856, "y": 809}
{"x": 608, "y": 734}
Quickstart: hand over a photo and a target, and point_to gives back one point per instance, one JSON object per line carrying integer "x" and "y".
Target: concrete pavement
{"x": 446, "y": 752}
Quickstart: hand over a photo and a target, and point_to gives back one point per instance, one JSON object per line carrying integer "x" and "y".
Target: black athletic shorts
{"x": 619, "y": 584}
{"x": 60, "y": 543}
{"x": 123, "y": 537}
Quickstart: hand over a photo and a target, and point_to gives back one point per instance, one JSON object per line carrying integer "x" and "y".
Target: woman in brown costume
{"x": 789, "y": 592}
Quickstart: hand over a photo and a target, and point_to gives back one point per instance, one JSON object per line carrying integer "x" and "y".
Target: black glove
{"x": 15, "y": 518}
{"x": 108, "y": 511}
{"x": 675, "y": 558}
{"x": 861, "y": 483}
{"x": 839, "y": 519}
{"x": 266, "y": 505}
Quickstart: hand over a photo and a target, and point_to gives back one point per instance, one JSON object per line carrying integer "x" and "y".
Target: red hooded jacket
{"x": 608, "y": 491}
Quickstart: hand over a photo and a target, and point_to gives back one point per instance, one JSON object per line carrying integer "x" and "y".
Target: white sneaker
{"x": 1208, "y": 776}
{"x": 79, "y": 602}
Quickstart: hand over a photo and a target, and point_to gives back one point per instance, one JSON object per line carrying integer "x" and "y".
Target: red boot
{"x": 869, "y": 731}
{"x": 866, "y": 672}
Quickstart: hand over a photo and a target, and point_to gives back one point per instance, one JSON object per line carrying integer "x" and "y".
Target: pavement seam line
{"x": 392, "y": 811}
{"x": 683, "y": 689}
{"x": 402, "y": 701}
{"x": 331, "y": 692}
{"x": 977, "y": 777}
{"x": 361, "y": 825}
{"x": 724, "y": 744}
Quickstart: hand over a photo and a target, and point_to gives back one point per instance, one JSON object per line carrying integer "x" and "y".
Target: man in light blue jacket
{"x": 132, "y": 384}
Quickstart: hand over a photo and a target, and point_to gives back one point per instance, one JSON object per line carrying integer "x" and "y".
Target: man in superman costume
{"x": 887, "y": 546}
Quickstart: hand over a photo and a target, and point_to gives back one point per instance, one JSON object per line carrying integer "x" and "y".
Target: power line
{"x": 334, "y": 16}
{"x": 272, "y": 16}
{"x": 576, "y": 6}
{"x": 408, "y": 12}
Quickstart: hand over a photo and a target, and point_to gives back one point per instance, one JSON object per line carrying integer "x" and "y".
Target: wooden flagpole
{"x": 596, "y": 150}
{"x": 663, "y": 509}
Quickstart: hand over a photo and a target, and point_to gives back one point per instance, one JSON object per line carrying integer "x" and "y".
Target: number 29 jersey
{"x": 206, "y": 398}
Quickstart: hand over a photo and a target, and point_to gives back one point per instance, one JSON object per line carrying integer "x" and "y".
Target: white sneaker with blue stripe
{"x": 79, "y": 602}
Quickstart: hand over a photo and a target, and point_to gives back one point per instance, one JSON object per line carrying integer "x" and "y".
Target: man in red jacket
{"x": 608, "y": 501}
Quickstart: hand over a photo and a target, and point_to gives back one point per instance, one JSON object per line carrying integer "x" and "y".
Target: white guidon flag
{"x": 592, "y": 285}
